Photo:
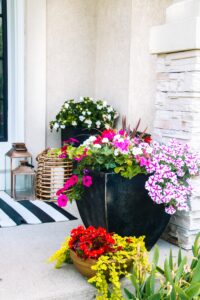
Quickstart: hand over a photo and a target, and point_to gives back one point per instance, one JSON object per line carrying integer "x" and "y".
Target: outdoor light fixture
{"x": 19, "y": 175}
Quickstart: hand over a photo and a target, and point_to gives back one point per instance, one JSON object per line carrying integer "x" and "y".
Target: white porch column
{"x": 177, "y": 45}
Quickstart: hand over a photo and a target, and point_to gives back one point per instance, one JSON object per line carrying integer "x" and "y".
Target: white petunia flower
{"x": 91, "y": 98}
{"x": 137, "y": 151}
{"x": 92, "y": 138}
{"x": 89, "y": 113}
{"x": 104, "y": 103}
{"x": 149, "y": 150}
{"x": 74, "y": 123}
{"x": 109, "y": 117}
{"x": 89, "y": 122}
{"x": 109, "y": 109}
{"x": 81, "y": 98}
{"x": 81, "y": 118}
{"x": 116, "y": 137}
{"x": 56, "y": 126}
{"x": 66, "y": 105}
{"x": 98, "y": 123}
{"x": 107, "y": 126}
{"x": 105, "y": 140}
{"x": 83, "y": 112}
{"x": 99, "y": 106}
{"x": 62, "y": 126}
{"x": 116, "y": 152}
{"x": 98, "y": 146}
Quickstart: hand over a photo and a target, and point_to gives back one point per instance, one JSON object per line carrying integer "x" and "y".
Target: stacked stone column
{"x": 177, "y": 103}
{"x": 178, "y": 116}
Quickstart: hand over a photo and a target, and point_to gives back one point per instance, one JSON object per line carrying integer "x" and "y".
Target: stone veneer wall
{"x": 178, "y": 116}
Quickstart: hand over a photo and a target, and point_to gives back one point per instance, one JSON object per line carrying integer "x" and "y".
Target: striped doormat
{"x": 13, "y": 213}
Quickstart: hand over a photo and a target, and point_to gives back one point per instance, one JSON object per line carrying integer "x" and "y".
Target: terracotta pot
{"x": 83, "y": 265}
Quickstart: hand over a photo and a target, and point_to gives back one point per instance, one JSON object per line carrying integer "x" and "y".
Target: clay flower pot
{"x": 83, "y": 265}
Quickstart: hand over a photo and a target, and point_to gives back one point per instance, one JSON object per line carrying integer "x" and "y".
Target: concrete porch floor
{"x": 25, "y": 274}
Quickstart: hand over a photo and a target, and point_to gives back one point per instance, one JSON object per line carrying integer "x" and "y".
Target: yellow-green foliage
{"x": 62, "y": 255}
{"x": 109, "y": 268}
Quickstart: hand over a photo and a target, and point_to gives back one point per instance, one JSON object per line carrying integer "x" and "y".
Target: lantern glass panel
{"x": 11, "y": 164}
{"x": 24, "y": 186}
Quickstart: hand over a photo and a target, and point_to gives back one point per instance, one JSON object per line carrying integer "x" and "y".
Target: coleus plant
{"x": 128, "y": 153}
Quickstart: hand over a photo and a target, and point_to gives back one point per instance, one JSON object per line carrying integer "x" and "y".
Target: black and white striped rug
{"x": 13, "y": 213}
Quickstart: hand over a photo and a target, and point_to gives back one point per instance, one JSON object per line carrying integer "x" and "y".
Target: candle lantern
{"x": 23, "y": 181}
{"x": 17, "y": 153}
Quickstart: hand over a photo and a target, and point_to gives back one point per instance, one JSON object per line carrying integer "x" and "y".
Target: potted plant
{"x": 81, "y": 119}
{"x": 103, "y": 257}
{"x": 128, "y": 184}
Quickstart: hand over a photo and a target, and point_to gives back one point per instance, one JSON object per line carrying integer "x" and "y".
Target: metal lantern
{"x": 24, "y": 181}
{"x": 17, "y": 153}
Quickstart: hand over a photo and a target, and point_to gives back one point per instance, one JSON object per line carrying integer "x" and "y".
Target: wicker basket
{"x": 52, "y": 172}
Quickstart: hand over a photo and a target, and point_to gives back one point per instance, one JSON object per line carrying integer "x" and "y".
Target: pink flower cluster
{"x": 171, "y": 166}
{"x": 72, "y": 181}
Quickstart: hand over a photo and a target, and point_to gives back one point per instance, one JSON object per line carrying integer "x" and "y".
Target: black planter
{"x": 78, "y": 133}
{"x": 123, "y": 206}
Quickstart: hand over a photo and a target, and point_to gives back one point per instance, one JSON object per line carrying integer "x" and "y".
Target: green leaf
{"x": 155, "y": 297}
{"x": 196, "y": 246}
{"x": 168, "y": 273}
{"x": 179, "y": 257}
{"x": 182, "y": 295}
{"x": 171, "y": 260}
{"x": 196, "y": 273}
{"x": 129, "y": 294}
{"x": 173, "y": 294}
{"x": 118, "y": 169}
{"x": 155, "y": 256}
{"x": 161, "y": 271}
{"x": 193, "y": 290}
{"x": 179, "y": 272}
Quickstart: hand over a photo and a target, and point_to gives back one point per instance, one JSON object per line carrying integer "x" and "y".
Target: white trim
{"x": 15, "y": 38}
{"x": 15, "y": 18}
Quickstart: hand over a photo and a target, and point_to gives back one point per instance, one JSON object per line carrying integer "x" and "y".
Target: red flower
{"x": 109, "y": 134}
{"x": 91, "y": 242}
{"x": 148, "y": 139}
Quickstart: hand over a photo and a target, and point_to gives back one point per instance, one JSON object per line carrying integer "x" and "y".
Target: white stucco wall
{"x": 93, "y": 47}
{"x": 71, "y": 33}
{"x": 142, "y": 80}
{"x": 113, "y": 52}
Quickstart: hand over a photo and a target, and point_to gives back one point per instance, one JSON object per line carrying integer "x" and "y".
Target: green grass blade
{"x": 179, "y": 257}
{"x": 155, "y": 256}
{"x": 196, "y": 273}
{"x": 168, "y": 273}
{"x": 193, "y": 290}
{"x": 180, "y": 269}
{"x": 171, "y": 260}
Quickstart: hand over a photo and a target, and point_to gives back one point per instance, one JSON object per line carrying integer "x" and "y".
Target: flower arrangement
{"x": 111, "y": 253}
{"x": 86, "y": 114}
{"x": 169, "y": 167}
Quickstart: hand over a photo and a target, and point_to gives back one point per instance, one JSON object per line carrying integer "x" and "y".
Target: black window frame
{"x": 3, "y": 15}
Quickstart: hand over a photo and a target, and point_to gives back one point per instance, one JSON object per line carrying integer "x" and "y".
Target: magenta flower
{"x": 62, "y": 200}
{"x": 70, "y": 182}
{"x": 87, "y": 180}
{"x": 60, "y": 191}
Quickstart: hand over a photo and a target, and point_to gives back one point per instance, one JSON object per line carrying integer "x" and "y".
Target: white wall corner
{"x": 35, "y": 79}
{"x": 181, "y": 31}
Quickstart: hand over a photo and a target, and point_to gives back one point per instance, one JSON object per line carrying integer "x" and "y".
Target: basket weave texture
{"x": 52, "y": 172}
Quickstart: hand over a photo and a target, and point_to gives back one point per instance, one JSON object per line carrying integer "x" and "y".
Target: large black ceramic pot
{"x": 123, "y": 206}
{"x": 79, "y": 133}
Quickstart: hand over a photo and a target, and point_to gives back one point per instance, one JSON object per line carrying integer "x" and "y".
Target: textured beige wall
{"x": 71, "y": 43}
{"x": 101, "y": 48}
{"x": 142, "y": 84}
{"x": 113, "y": 52}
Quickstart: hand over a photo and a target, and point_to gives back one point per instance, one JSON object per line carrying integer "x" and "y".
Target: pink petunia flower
{"x": 87, "y": 180}
{"x": 62, "y": 200}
